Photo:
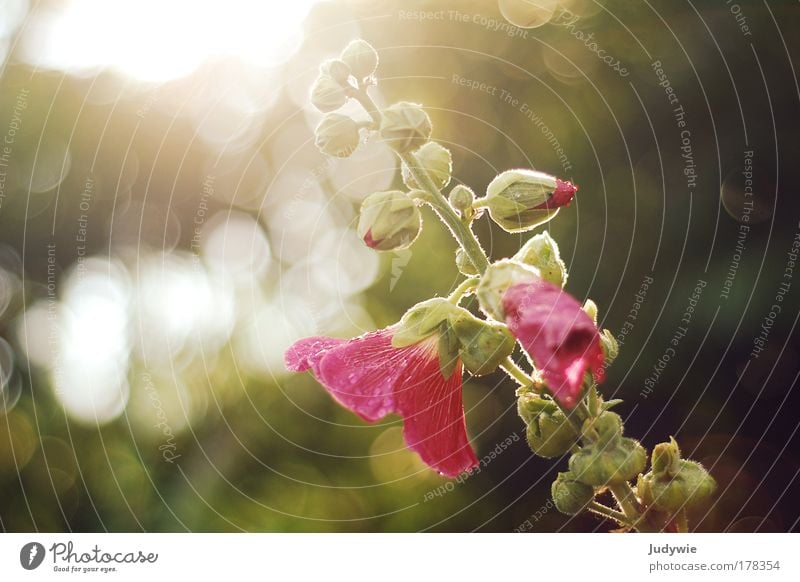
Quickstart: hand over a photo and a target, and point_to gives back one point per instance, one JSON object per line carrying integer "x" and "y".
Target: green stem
{"x": 461, "y": 231}
{"x": 601, "y": 509}
{"x": 623, "y": 493}
{"x": 516, "y": 373}
{"x": 465, "y": 287}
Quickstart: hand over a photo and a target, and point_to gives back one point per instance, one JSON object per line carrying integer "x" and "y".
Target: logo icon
{"x": 31, "y": 555}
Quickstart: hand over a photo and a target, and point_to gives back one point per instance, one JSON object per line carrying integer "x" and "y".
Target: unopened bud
{"x": 433, "y": 158}
{"x": 688, "y": 485}
{"x": 610, "y": 347}
{"x": 541, "y": 251}
{"x": 461, "y": 198}
{"x": 361, "y": 58}
{"x": 405, "y": 126}
{"x": 483, "y": 345}
{"x": 606, "y": 428}
{"x": 327, "y": 94}
{"x": 519, "y": 200}
{"x": 337, "y": 135}
{"x": 337, "y": 70}
{"x": 495, "y": 282}
{"x": 571, "y": 496}
{"x": 610, "y": 463}
{"x": 389, "y": 221}
{"x": 465, "y": 264}
{"x": 665, "y": 458}
{"x": 551, "y": 434}
{"x": 530, "y": 405}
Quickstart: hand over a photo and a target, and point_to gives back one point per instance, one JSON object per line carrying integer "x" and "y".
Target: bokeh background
{"x": 167, "y": 229}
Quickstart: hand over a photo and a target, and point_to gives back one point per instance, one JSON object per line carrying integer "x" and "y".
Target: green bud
{"x": 483, "y": 345}
{"x": 361, "y": 58}
{"x": 465, "y": 264}
{"x": 530, "y": 405}
{"x": 337, "y": 135}
{"x": 422, "y": 321}
{"x": 461, "y": 198}
{"x": 610, "y": 346}
{"x": 405, "y": 126}
{"x": 614, "y": 462}
{"x": 327, "y": 94}
{"x": 434, "y": 158}
{"x": 541, "y": 251}
{"x": 520, "y": 200}
{"x": 337, "y": 70}
{"x": 606, "y": 428}
{"x": 496, "y": 280}
{"x": 590, "y": 308}
{"x": 570, "y": 496}
{"x": 551, "y": 434}
{"x": 389, "y": 221}
{"x": 688, "y": 484}
{"x": 665, "y": 457}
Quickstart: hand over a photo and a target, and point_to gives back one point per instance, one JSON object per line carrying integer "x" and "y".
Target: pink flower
{"x": 373, "y": 378}
{"x": 560, "y": 337}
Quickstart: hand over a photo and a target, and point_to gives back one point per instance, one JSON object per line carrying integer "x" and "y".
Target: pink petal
{"x": 434, "y": 419}
{"x": 560, "y": 337}
{"x": 372, "y": 378}
{"x": 307, "y": 352}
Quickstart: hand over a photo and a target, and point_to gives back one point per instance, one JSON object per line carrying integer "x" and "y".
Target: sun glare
{"x": 159, "y": 40}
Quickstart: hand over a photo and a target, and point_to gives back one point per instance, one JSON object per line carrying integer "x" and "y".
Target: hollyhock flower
{"x": 560, "y": 337}
{"x": 371, "y": 377}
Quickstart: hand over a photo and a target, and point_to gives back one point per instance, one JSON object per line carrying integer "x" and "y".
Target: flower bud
{"x": 496, "y": 280}
{"x": 590, "y": 308}
{"x": 541, "y": 251}
{"x": 422, "y": 321}
{"x": 483, "y": 345}
{"x": 550, "y": 434}
{"x": 405, "y": 126}
{"x": 606, "y": 428}
{"x": 610, "y": 347}
{"x": 461, "y": 198}
{"x": 687, "y": 484}
{"x": 519, "y": 200}
{"x": 389, "y": 221}
{"x": 361, "y": 58}
{"x": 338, "y": 70}
{"x": 434, "y": 158}
{"x": 465, "y": 264}
{"x": 327, "y": 94}
{"x": 337, "y": 135}
{"x": 530, "y": 405}
{"x": 614, "y": 462}
{"x": 665, "y": 457}
{"x": 570, "y": 496}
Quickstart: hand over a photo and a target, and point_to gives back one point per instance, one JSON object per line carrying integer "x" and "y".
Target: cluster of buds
{"x": 414, "y": 368}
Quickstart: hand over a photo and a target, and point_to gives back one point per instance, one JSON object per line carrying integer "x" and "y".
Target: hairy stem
{"x": 461, "y": 231}
{"x": 459, "y": 292}
{"x": 623, "y": 493}
{"x": 609, "y": 513}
